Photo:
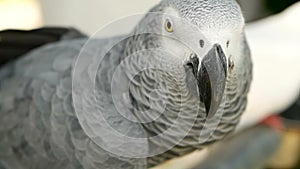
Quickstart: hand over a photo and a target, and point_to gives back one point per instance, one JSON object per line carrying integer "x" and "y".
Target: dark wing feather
{"x": 15, "y": 43}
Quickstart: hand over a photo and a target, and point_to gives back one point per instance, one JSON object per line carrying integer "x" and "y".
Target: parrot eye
{"x": 169, "y": 26}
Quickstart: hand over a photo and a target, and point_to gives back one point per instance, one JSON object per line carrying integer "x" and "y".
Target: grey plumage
{"x": 53, "y": 106}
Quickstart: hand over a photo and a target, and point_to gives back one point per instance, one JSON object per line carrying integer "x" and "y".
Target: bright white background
{"x": 91, "y": 15}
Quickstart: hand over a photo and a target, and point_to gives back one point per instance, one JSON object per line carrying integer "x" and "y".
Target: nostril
{"x": 202, "y": 43}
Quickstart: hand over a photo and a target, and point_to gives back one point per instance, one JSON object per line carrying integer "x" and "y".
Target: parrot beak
{"x": 212, "y": 79}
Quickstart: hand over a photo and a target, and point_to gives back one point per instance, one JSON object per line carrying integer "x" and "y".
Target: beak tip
{"x": 207, "y": 109}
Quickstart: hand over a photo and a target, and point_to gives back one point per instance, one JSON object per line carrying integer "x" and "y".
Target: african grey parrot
{"x": 177, "y": 83}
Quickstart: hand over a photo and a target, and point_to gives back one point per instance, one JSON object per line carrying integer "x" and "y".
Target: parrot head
{"x": 212, "y": 30}
{"x": 205, "y": 36}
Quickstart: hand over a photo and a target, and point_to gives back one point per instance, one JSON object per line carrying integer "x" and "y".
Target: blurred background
{"x": 273, "y": 32}
{"x": 90, "y": 15}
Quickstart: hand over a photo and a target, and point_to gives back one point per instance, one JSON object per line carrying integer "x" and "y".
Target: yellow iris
{"x": 169, "y": 26}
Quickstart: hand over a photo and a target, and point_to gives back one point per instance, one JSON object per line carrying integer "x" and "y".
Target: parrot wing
{"x": 39, "y": 127}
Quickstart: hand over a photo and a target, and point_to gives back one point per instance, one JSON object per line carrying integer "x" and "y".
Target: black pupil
{"x": 169, "y": 25}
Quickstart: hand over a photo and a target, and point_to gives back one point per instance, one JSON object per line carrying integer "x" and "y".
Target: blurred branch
{"x": 250, "y": 149}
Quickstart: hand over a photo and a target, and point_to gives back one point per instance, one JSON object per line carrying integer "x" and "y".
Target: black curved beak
{"x": 212, "y": 79}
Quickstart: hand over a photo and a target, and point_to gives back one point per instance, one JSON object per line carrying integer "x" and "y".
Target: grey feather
{"x": 62, "y": 105}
